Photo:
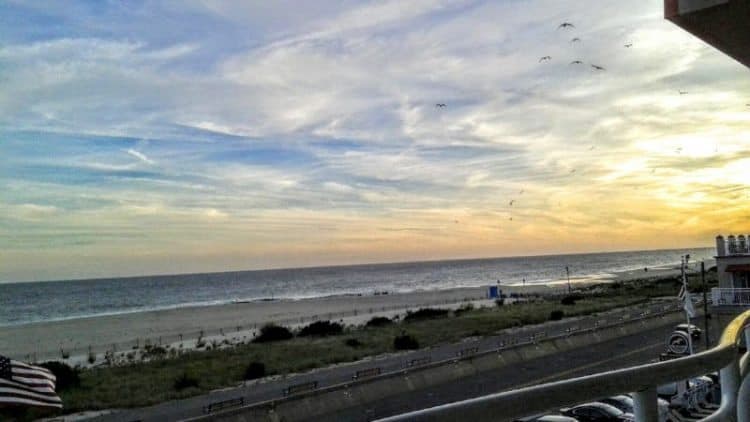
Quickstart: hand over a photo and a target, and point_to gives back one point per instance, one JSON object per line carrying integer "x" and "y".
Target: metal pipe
{"x": 646, "y": 406}
{"x": 706, "y": 315}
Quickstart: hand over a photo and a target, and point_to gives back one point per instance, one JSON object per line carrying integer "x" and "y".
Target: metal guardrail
{"x": 642, "y": 380}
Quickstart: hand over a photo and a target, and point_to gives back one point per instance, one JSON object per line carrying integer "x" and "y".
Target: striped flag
{"x": 26, "y": 385}
{"x": 687, "y": 301}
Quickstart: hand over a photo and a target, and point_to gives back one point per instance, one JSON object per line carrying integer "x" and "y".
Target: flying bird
{"x": 576, "y": 62}
{"x": 682, "y": 92}
{"x": 566, "y": 25}
{"x": 592, "y": 147}
{"x": 628, "y": 45}
{"x": 521, "y": 192}
{"x": 576, "y": 39}
{"x": 511, "y": 202}
{"x": 597, "y": 67}
{"x": 439, "y": 105}
{"x": 572, "y": 171}
{"x": 545, "y": 58}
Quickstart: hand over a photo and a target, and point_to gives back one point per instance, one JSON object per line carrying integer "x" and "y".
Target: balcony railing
{"x": 730, "y": 297}
{"x": 641, "y": 380}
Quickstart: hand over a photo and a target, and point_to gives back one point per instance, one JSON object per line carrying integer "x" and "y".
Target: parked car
{"x": 695, "y": 332}
{"x": 597, "y": 412}
{"x": 547, "y": 418}
{"x": 625, "y": 403}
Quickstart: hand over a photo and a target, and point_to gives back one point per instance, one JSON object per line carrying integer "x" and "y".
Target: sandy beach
{"x": 44, "y": 340}
{"x": 239, "y": 321}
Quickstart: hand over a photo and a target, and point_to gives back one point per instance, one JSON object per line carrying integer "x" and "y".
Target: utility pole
{"x": 567, "y": 271}
{"x": 686, "y": 294}
{"x": 705, "y": 303}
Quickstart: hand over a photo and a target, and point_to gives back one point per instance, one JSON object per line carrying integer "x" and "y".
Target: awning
{"x": 738, "y": 268}
{"x": 725, "y": 24}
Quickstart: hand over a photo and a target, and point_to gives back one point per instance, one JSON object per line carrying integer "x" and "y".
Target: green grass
{"x": 147, "y": 383}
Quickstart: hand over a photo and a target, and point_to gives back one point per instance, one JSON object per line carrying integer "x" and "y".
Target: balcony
{"x": 739, "y": 245}
{"x": 730, "y": 297}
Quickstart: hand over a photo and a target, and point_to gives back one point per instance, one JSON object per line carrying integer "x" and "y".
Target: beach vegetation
{"x": 464, "y": 308}
{"x": 67, "y": 376}
{"x": 353, "y": 342}
{"x": 321, "y": 329}
{"x": 405, "y": 342}
{"x": 425, "y": 313}
{"x": 378, "y": 321}
{"x": 556, "y": 315}
{"x": 255, "y": 370}
{"x": 499, "y": 302}
{"x": 185, "y": 381}
{"x": 273, "y": 332}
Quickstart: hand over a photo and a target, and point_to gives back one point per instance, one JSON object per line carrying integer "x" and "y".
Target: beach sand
{"x": 238, "y": 322}
{"x": 44, "y": 340}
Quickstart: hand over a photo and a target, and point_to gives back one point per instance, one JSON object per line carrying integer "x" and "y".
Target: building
{"x": 733, "y": 272}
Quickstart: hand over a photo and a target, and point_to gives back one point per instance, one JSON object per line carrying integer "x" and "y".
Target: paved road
{"x": 259, "y": 392}
{"x": 621, "y": 352}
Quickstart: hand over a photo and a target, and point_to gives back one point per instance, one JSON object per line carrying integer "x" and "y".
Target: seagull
{"x": 576, "y": 62}
{"x": 440, "y": 105}
{"x": 545, "y": 58}
{"x": 682, "y": 92}
{"x": 597, "y": 67}
{"x": 628, "y": 45}
{"x": 572, "y": 171}
{"x": 521, "y": 192}
{"x": 592, "y": 147}
{"x": 511, "y": 202}
{"x": 566, "y": 25}
{"x": 576, "y": 39}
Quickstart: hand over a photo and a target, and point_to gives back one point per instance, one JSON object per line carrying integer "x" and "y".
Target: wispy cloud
{"x": 261, "y": 134}
{"x": 139, "y": 155}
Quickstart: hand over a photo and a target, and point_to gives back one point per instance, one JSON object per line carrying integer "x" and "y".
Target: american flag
{"x": 26, "y": 385}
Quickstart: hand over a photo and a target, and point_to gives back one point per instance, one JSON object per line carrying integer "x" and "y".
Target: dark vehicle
{"x": 597, "y": 412}
{"x": 695, "y": 332}
{"x": 547, "y": 418}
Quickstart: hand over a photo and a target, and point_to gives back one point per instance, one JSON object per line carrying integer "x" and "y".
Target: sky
{"x": 155, "y": 137}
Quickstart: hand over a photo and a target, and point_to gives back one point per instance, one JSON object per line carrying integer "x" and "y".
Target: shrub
{"x": 405, "y": 342}
{"x": 156, "y": 352}
{"x": 556, "y": 315}
{"x": 271, "y": 332}
{"x": 378, "y": 321}
{"x": 463, "y": 309}
{"x": 321, "y": 329}
{"x": 67, "y": 376}
{"x": 353, "y": 342}
{"x": 570, "y": 299}
{"x": 499, "y": 302}
{"x": 255, "y": 370}
{"x": 425, "y": 313}
{"x": 185, "y": 381}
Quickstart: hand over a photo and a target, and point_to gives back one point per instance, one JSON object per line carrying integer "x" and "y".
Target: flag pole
{"x": 687, "y": 297}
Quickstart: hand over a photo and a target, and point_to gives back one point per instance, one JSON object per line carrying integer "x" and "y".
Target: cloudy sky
{"x": 178, "y": 136}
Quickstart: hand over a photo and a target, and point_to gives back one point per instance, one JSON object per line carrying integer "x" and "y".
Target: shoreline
{"x": 532, "y": 286}
{"x": 238, "y": 321}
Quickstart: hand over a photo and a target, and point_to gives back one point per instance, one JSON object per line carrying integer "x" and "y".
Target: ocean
{"x": 54, "y": 300}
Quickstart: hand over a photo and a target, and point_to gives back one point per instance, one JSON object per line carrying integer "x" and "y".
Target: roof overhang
{"x": 724, "y": 24}
{"x": 738, "y": 268}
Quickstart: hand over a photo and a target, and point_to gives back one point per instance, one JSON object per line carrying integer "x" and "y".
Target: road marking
{"x": 588, "y": 365}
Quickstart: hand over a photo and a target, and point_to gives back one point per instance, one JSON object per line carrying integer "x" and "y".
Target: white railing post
{"x": 646, "y": 409}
